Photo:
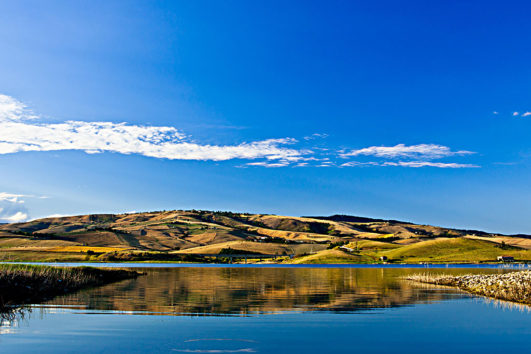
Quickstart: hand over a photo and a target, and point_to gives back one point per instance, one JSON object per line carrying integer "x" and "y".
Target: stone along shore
{"x": 514, "y": 286}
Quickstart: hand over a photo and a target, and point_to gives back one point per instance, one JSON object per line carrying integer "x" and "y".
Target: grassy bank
{"x": 453, "y": 250}
{"x": 22, "y": 284}
{"x": 514, "y": 286}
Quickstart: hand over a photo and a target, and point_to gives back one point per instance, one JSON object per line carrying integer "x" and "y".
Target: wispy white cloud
{"x": 17, "y": 198}
{"x": 14, "y": 110}
{"x": 414, "y": 164}
{"x": 19, "y": 133}
{"x": 511, "y": 163}
{"x": 417, "y": 164}
{"x": 21, "y": 130}
{"x": 316, "y": 136}
{"x": 269, "y": 164}
{"x": 422, "y": 151}
{"x": 12, "y": 198}
{"x": 517, "y": 113}
{"x": 360, "y": 164}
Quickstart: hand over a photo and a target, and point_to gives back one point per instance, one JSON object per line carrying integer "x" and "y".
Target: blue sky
{"x": 409, "y": 110}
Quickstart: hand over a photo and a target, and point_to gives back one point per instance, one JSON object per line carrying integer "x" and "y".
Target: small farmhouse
{"x": 505, "y": 259}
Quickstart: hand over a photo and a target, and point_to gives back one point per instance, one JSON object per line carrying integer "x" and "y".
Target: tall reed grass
{"x": 21, "y": 284}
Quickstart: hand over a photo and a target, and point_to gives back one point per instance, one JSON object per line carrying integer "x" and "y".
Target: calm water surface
{"x": 194, "y": 309}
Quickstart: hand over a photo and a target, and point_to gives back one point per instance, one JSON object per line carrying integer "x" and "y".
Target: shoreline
{"x": 21, "y": 284}
{"x": 513, "y": 286}
{"x": 282, "y": 262}
{"x": 514, "y": 266}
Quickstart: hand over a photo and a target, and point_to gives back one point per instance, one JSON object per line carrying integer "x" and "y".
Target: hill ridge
{"x": 190, "y": 231}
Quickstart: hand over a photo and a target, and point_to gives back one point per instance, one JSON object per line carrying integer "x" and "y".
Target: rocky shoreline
{"x": 513, "y": 286}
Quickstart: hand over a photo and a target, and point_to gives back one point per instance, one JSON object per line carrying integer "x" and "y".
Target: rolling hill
{"x": 198, "y": 234}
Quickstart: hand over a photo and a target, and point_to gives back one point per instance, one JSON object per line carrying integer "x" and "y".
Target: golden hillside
{"x": 168, "y": 235}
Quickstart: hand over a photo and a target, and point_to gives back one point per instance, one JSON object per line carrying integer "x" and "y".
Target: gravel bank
{"x": 514, "y": 286}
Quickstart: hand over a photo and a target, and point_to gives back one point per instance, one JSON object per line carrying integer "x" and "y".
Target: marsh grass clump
{"x": 21, "y": 284}
{"x": 514, "y": 286}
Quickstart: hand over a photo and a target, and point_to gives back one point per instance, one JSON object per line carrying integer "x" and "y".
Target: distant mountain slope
{"x": 199, "y": 232}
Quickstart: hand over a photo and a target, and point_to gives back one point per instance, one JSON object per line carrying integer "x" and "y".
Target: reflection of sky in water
{"x": 462, "y": 325}
{"x": 8, "y": 327}
{"x": 249, "y": 310}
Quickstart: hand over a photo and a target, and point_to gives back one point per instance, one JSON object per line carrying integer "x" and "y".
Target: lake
{"x": 249, "y": 309}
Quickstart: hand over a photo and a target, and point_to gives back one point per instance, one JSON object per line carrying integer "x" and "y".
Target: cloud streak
{"x": 413, "y": 164}
{"x": 424, "y": 151}
{"x": 12, "y": 198}
{"x": 417, "y": 164}
{"x": 19, "y": 132}
{"x": 269, "y": 164}
{"x": 22, "y": 130}
{"x": 360, "y": 164}
{"x": 316, "y": 136}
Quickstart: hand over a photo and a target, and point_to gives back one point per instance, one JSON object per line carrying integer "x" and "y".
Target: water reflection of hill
{"x": 254, "y": 290}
